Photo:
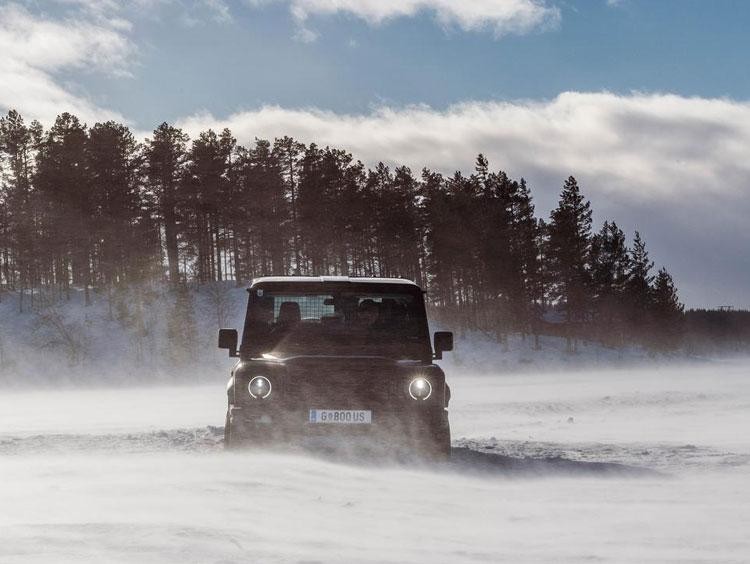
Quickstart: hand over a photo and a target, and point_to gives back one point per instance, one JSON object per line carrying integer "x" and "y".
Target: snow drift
{"x": 625, "y": 466}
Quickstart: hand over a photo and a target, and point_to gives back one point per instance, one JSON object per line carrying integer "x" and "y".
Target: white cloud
{"x": 219, "y": 9}
{"x": 676, "y": 168}
{"x": 194, "y": 13}
{"x": 305, "y": 35}
{"x": 502, "y": 17}
{"x": 691, "y": 142}
{"x": 34, "y": 51}
{"x": 51, "y": 45}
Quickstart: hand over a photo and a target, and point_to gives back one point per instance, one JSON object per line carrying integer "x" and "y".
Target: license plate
{"x": 343, "y": 416}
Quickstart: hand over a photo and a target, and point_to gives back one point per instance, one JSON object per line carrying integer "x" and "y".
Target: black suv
{"x": 337, "y": 359}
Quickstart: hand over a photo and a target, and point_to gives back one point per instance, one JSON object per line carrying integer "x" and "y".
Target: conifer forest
{"x": 93, "y": 207}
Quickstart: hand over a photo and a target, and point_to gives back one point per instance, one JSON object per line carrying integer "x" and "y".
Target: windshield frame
{"x": 424, "y": 346}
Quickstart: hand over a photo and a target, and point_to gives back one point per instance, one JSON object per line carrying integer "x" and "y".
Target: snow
{"x": 627, "y": 465}
{"x": 605, "y": 455}
{"x": 105, "y": 337}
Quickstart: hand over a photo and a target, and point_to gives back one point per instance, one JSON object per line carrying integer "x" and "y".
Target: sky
{"x": 646, "y": 102}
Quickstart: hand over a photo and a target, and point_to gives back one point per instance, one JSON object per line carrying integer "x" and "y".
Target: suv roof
{"x": 337, "y": 279}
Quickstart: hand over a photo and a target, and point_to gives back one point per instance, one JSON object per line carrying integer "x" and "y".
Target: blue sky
{"x": 646, "y": 102}
{"x": 187, "y": 60}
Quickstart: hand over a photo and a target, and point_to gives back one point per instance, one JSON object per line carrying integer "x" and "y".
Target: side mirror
{"x": 228, "y": 340}
{"x": 443, "y": 343}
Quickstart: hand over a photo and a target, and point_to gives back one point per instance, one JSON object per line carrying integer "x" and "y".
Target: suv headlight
{"x": 420, "y": 388}
{"x": 259, "y": 387}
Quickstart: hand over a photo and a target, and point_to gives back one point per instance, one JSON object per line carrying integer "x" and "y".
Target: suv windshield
{"x": 315, "y": 319}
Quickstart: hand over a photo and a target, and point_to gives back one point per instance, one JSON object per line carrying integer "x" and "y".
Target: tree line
{"x": 97, "y": 209}
{"x": 710, "y": 331}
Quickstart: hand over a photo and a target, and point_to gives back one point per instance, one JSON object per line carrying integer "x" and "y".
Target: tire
{"x": 438, "y": 446}
{"x": 236, "y": 437}
{"x": 444, "y": 439}
{"x": 441, "y": 451}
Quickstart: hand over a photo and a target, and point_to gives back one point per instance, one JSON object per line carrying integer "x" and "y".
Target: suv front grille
{"x": 342, "y": 387}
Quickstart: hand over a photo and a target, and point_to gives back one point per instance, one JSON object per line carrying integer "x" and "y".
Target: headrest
{"x": 368, "y": 304}
{"x": 289, "y": 313}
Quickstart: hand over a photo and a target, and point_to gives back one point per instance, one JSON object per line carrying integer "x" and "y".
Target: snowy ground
{"x": 621, "y": 466}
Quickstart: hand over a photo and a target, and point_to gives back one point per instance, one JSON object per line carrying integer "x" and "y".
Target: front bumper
{"x": 389, "y": 428}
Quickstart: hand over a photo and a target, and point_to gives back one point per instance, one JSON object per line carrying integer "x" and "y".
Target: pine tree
{"x": 541, "y": 281}
{"x": 438, "y": 238}
{"x": 165, "y": 158}
{"x": 17, "y": 233}
{"x": 464, "y": 251}
{"x": 526, "y": 252}
{"x": 568, "y": 253}
{"x": 666, "y": 312}
{"x": 203, "y": 196}
{"x": 499, "y": 261}
{"x": 638, "y": 287}
{"x": 64, "y": 187}
{"x": 288, "y": 153}
{"x": 397, "y": 221}
{"x": 113, "y": 164}
{"x": 313, "y": 206}
{"x": 338, "y": 188}
{"x": 609, "y": 272}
